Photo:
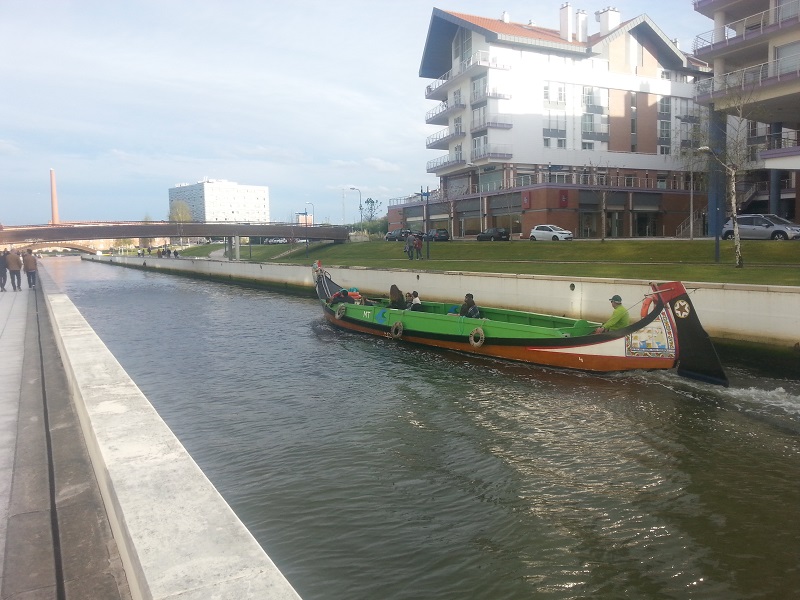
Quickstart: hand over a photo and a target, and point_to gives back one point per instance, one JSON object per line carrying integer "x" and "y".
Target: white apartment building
{"x": 536, "y": 119}
{"x": 218, "y": 200}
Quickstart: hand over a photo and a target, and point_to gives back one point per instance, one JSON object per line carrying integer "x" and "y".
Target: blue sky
{"x": 311, "y": 98}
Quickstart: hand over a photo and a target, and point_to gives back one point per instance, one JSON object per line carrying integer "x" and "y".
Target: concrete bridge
{"x": 64, "y": 232}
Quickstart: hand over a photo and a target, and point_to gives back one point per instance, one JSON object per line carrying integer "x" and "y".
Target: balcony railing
{"x": 749, "y": 27}
{"x": 443, "y": 109}
{"x": 482, "y": 58}
{"x": 480, "y": 96}
{"x": 499, "y": 121}
{"x": 448, "y": 160}
{"x": 750, "y": 78}
{"x": 441, "y": 138}
{"x": 492, "y": 151}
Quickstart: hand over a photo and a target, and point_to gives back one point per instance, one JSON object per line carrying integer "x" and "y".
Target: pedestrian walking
{"x": 3, "y": 270}
{"x": 30, "y": 265}
{"x": 14, "y": 264}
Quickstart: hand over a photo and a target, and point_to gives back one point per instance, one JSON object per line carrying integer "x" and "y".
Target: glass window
{"x": 546, "y": 142}
{"x": 562, "y": 143}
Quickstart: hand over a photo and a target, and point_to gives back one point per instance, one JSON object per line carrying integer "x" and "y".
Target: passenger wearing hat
{"x": 619, "y": 318}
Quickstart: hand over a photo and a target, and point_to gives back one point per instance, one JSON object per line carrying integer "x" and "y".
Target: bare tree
{"x": 738, "y": 154}
{"x": 371, "y": 209}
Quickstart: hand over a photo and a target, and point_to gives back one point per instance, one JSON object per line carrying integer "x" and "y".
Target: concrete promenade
{"x": 99, "y": 500}
{"x": 55, "y": 539}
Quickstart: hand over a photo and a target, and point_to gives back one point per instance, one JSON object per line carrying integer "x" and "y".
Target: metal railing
{"x": 750, "y": 77}
{"x": 748, "y": 27}
{"x": 480, "y": 58}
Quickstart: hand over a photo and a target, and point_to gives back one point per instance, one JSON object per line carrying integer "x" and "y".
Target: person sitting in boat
{"x": 416, "y": 303}
{"x": 396, "y": 298}
{"x": 409, "y": 300}
{"x": 469, "y": 308}
{"x": 341, "y": 296}
{"x": 619, "y": 318}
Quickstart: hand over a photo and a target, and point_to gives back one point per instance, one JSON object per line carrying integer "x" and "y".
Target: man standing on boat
{"x": 619, "y": 318}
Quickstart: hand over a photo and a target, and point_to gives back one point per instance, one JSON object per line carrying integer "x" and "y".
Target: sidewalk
{"x": 55, "y": 541}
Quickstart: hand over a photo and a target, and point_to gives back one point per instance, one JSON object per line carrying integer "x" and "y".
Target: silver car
{"x": 762, "y": 227}
{"x": 550, "y": 232}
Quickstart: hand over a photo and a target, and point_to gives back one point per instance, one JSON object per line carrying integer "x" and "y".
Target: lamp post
{"x": 731, "y": 170}
{"x": 360, "y": 209}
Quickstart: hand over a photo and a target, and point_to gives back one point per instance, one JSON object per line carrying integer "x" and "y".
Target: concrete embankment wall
{"x": 756, "y": 313}
{"x": 177, "y": 536}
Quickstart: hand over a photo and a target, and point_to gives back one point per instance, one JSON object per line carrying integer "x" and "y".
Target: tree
{"x": 146, "y": 242}
{"x": 179, "y": 212}
{"x": 729, "y": 134}
{"x": 371, "y": 209}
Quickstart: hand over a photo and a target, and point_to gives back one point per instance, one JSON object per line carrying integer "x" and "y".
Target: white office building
{"x": 218, "y": 200}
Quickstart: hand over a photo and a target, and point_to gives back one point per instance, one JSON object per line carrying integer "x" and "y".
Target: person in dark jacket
{"x": 3, "y": 271}
{"x": 14, "y": 264}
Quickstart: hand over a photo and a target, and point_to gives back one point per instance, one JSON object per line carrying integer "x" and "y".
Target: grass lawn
{"x": 766, "y": 262}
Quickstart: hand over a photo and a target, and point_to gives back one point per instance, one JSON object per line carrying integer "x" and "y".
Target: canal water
{"x": 370, "y": 469}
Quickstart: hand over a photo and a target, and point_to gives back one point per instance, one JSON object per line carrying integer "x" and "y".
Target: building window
{"x": 587, "y": 145}
{"x": 546, "y": 142}
{"x": 633, "y": 125}
{"x": 634, "y": 148}
{"x": 587, "y": 123}
{"x": 664, "y": 150}
{"x": 562, "y": 143}
{"x": 633, "y": 101}
{"x": 664, "y": 105}
{"x": 666, "y": 75}
{"x": 664, "y": 129}
{"x": 547, "y": 92}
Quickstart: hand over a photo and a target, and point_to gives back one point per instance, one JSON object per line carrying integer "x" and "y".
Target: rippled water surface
{"x": 371, "y": 469}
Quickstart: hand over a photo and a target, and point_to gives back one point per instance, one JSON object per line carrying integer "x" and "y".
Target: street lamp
{"x": 730, "y": 169}
{"x": 360, "y": 210}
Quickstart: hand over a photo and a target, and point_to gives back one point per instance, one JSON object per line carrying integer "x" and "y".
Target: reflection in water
{"x": 372, "y": 469}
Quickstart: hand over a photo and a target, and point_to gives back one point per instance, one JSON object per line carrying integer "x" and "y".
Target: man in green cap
{"x": 619, "y": 318}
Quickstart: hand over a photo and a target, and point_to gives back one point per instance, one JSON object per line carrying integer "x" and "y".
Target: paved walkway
{"x": 55, "y": 541}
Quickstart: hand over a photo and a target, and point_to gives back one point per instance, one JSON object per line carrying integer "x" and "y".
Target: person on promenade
{"x": 469, "y": 308}
{"x": 29, "y": 264}
{"x": 619, "y": 317}
{"x": 409, "y": 249}
{"x": 3, "y": 271}
{"x": 418, "y": 247}
{"x": 396, "y": 298}
{"x": 14, "y": 264}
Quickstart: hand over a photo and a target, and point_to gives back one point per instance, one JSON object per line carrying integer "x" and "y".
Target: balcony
{"x": 499, "y": 151}
{"x": 439, "y": 115}
{"x": 484, "y": 95}
{"x": 441, "y": 139}
{"x": 749, "y": 79}
{"x": 446, "y": 161}
{"x": 749, "y": 28}
{"x": 492, "y": 122}
{"x": 595, "y": 131}
{"x": 480, "y": 60}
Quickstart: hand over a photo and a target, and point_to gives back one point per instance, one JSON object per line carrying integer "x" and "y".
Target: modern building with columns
{"x": 558, "y": 126}
{"x": 754, "y": 49}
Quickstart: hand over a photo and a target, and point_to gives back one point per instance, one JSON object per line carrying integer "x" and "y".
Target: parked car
{"x": 762, "y": 227}
{"x": 400, "y": 235}
{"x": 437, "y": 235}
{"x": 550, "y": 232}
{"x": 494, "y": 233}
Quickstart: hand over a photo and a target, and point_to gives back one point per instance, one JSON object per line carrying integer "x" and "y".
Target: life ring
{"x": 341, "y": 310}
{"x": 648, "y": 300}
{"x": 477, "y": 337}
{"x": 397, "y": 330}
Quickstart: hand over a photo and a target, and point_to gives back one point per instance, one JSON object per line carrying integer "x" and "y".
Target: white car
{"x": 550, "y": 232}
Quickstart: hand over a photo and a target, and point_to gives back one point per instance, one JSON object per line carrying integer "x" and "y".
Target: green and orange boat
{"x": 668, "y": 336}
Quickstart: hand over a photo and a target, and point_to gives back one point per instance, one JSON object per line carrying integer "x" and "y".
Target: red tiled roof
{"x": 516, "y": 29}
